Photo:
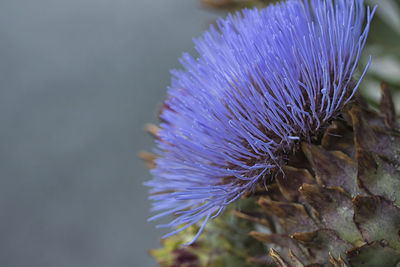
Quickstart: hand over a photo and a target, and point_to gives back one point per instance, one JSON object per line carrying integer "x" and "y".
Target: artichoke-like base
{"x": 336, "y": 203}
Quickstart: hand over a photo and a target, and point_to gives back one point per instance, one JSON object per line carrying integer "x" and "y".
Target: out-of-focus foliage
{"x": 384, "y": 46}
{"x": 225, "y": 242}
{"x": 235, "y": 4}
{"x": 383, "y": 43}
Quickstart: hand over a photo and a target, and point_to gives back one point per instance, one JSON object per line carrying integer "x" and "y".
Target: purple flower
{"x": 263, "y": 81}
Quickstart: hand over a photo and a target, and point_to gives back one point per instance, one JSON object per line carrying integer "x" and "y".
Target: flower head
{"x": 263, "y": 81}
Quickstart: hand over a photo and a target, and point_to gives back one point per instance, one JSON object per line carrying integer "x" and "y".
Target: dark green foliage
{"x": 225, "y": 242}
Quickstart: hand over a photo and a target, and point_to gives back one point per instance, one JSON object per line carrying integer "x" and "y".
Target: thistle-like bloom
{"x": 264, "y": 80}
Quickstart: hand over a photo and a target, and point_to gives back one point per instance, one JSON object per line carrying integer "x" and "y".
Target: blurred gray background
{"x": 79, "y": 79}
